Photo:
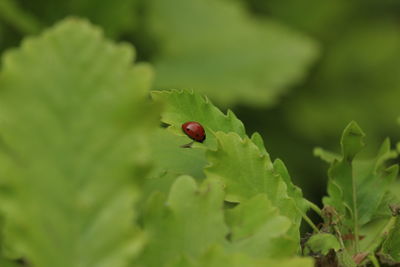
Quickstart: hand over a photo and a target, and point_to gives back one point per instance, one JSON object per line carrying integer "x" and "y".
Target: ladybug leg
{"x": 189, "y": 145}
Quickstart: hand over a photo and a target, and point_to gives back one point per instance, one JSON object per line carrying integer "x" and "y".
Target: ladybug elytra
{"x": 194, "y": 130}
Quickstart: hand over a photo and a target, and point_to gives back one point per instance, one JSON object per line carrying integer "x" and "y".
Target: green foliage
{"x": 355, "y": 78}
{"x": 115, "y": 17}
{"x": 246, "y": 172}
{"x": 259, "y": 236}
{"x": 186, "y": 223}
{"x": 256, "y": 175}
{"x": 168, "y": 155}
{"x": 88, "y": 179}
{"x": 69, "y": 183}
{"x": 183, "y": 106}
{"x": 73, "y": 144}
{"x": 358, "y": 201}
{"x": 321, "y": 243}
{"x": 8, "y": 263}
{"x": 357, "y": 189}
{"x": 215, "y": 47}
{"x": 219, "y": 49}
{"x": 258, "y": 230}
{"x": 360, "y": 40}
{"x": 359, "y": 63}
{"x": 215, "y": 257}
{"x": 391, "y": 247}
{"x": 21, "y": 19}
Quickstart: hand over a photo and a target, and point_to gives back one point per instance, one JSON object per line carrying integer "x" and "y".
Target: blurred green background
{"x": 295, "y": 71}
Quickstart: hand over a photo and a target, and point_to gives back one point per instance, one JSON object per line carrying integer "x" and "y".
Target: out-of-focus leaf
{"x": 8, "y": 263}
{"x": 219, "y": 49}
{"x": 324, "y": 18}
{"x": 321, "y": 243}
{"x": 326, "y": 156}
{"x": 258, "y": 230}
{"x": 183, "y": 106}
{"x": 20, "y": 19}
{"x": 74, "y": 141}
{"x": 186, "y": 224}
{"x": 360, "y": 62}
{"x": 391, "y": 246}
{"x": 116, "y": 17}
{"x": 345, "y": 259}
{"x": 216, "y": 257}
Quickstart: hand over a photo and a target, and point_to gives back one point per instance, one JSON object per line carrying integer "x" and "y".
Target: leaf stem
{"x": 339, "y": 236}
{"x": 374, "y": 260}
{"x": 310, "y": 223}
{"x": 315, "y": 208}
{"x": 356, "y": 233}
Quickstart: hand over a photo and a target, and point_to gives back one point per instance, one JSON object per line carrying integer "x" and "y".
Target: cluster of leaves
{"x": 249, "y": 53}
{"x": 355, "y": 75}
{"x": 83, "y": 184}
{"x": 361, "y": 210}
{"x": 88, "y": 178}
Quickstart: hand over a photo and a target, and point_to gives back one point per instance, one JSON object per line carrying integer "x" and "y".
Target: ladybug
{"x": 194, "y": 130}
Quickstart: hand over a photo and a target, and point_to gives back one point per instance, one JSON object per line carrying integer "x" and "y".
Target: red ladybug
{"x": 194, "y": 130}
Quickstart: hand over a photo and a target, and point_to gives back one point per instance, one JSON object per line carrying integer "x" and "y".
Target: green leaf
{"x": 183, "y": 106}
{"x": 321, "y": 243}
{"x": 249, "y": 216}
{"x": 258, "y": 230}
{"x": 391, "y": 246}
{"x": 244, "y": 169}
{"x": 345, "y": 259}
{"x": 186, "y": 224}
{"x": 293, "y": 191}
{"x": 19, "y": 18}
{"x": 256, "y": 138}
{"x": 352, "y": 141}
{"x": 74, "y": 144}
{"x": 168, "y": 155}
{"x": 216, "y": 257}
{"x": 326, "y": 156}
{"x": 222, "y": 51}
{"x": 8, "y": 263}
{"x": 116, "y": 17}
{"x": 246, "y": 172}
{"x": 333, "y": 95}
{"x": 170, "y": 160}
{"x": 356, "y": 188}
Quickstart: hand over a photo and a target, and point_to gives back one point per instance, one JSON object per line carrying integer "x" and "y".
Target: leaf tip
{"x": 352, "y": 140}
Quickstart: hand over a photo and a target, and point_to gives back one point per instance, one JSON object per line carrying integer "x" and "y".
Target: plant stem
{"x": 374, "y": 260}
{"x": 356, "y": 234}
{"x": 339, "y": 236}
{"x": 310, "y": 223}
{"x": 315, "y": 208}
